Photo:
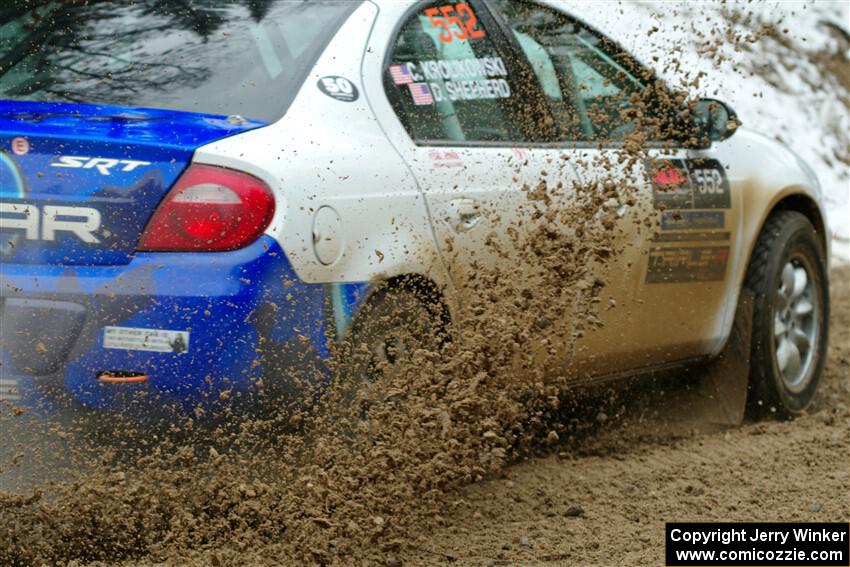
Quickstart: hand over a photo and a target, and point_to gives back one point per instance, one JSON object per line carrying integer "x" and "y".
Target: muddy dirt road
{"x": 603, "y": 500}
{"x": 599, "y": 495}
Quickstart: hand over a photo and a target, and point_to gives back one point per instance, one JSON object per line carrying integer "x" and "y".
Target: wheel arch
{"x": 437, "y": 299}
{"x": 792, "y": 198}
{"x": 805, "y": 204}
{"x": 427, "y": 290}
{"x": 761, "y": 280}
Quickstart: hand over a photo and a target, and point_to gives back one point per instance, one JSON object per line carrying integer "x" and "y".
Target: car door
{"x": 676, "y": 212}
{"x": 467, "y": 135}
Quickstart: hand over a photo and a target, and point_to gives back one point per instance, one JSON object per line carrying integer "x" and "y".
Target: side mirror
{"x": 715, "y": 120}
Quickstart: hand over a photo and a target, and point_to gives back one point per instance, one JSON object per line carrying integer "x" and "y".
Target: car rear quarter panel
{"x": 330, "y": 153}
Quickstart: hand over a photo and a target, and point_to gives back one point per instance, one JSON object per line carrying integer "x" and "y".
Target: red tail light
{"x": 209, "y": 209}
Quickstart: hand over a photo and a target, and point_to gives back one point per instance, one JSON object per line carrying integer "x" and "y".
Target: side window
{"x": 448, "y": 80}
{"x": 593, "y": 96}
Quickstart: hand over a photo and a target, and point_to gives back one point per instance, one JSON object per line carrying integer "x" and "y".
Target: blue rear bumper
{"x": 244, "y": 314}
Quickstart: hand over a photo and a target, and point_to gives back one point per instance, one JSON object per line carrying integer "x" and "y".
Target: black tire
{"x": 379, "y": 359}
{"x": 786, "y": 238}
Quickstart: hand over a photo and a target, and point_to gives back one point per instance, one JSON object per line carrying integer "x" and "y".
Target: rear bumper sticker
{"x": 151, "y": 340}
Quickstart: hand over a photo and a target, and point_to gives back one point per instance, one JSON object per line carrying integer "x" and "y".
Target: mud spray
{"x": 347, "y": 477}
{"x": 346, "y": 474}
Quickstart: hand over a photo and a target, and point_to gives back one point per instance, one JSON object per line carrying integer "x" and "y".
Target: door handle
{"x": 465, "y": 214}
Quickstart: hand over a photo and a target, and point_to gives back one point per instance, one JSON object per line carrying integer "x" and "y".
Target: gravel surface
{"x": 604, "y": 501}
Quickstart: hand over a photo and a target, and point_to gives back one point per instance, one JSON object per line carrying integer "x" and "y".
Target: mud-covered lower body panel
{"x": 187, "y": 332}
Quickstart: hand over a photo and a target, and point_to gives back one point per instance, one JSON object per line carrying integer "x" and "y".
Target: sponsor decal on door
{"x": 687, "y": 265}
{"x": 690, "y": 184}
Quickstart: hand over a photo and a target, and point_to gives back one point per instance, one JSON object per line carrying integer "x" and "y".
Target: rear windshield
{"x": 229, "y": 57}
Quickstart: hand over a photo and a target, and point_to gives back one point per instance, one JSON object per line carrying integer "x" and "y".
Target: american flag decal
{"x": 401, "y": 74}
{"x": 421, "y": 93}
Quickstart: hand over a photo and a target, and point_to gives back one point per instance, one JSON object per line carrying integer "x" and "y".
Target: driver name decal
{"x": 436, "y": 80}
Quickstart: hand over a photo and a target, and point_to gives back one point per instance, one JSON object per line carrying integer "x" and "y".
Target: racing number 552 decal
{"x": 690, "y": 184}
{"x": 711, "y": 187}
{"x": 461, "y": 17}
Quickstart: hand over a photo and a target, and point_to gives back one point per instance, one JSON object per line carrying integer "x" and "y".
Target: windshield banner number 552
{"x": 457, "y": 21}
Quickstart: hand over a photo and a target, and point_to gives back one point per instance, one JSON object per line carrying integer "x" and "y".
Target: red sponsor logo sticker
{"x": 670, "y": 177}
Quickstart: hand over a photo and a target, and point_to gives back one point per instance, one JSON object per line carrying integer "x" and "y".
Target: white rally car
{"x": 197, "y": 201}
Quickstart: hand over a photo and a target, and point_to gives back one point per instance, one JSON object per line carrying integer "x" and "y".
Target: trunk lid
{"x": 78, "y": 182}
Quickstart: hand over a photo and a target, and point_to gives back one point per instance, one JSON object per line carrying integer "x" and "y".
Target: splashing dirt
{"x": 603, "y": 495}
{"x": 381, "y": 476}
{"x": 373, "y": 458}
